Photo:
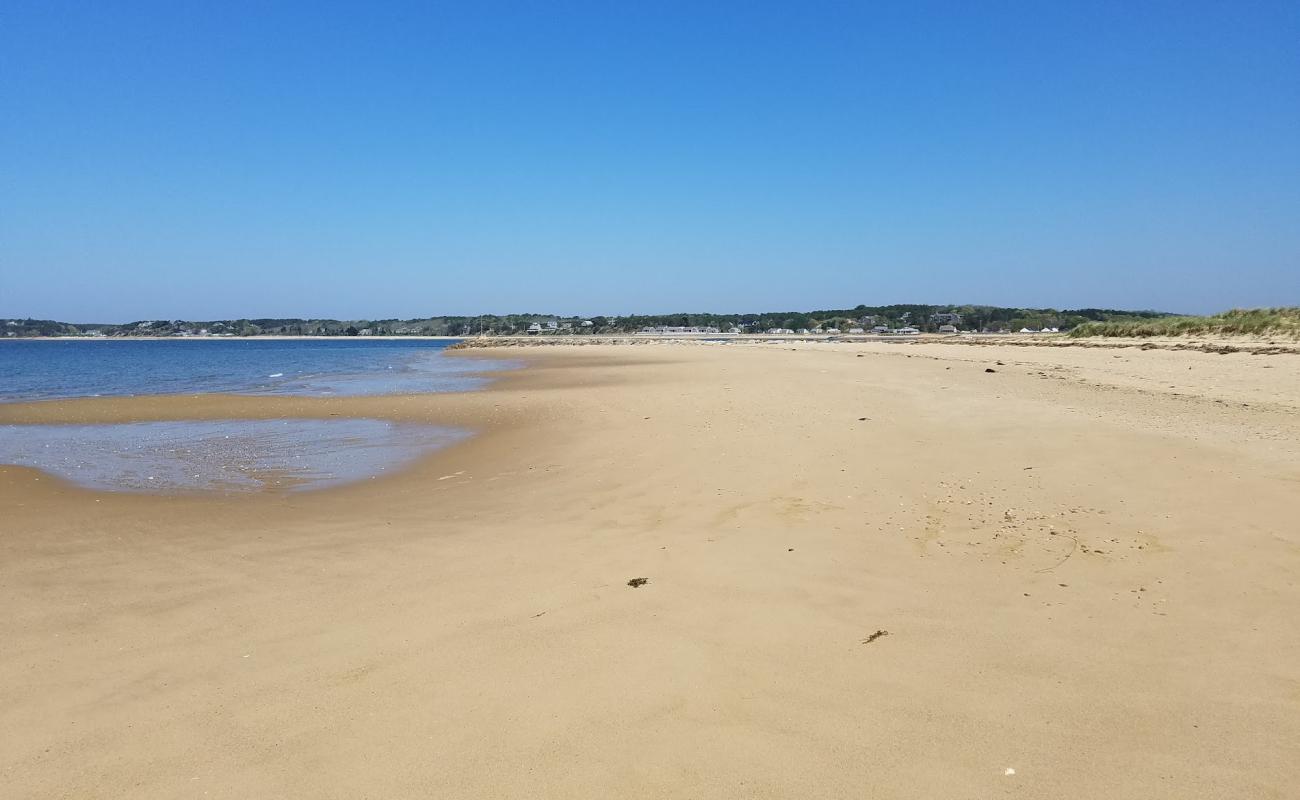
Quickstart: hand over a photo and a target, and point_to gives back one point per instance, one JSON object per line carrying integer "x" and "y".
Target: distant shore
{"x": 1255, "y": 345}
{"x": 220, "y": 338}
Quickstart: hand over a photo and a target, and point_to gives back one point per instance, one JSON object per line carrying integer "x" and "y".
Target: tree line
{"x": 922, "y": 317}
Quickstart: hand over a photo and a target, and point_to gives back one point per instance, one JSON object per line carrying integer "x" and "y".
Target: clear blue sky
{"x": 215, "y": 159}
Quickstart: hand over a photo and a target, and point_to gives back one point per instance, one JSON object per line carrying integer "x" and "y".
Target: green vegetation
{"x": 1252, "y": 321}
{"x": 922, "y": 317}
{"x": 27, "y": 328}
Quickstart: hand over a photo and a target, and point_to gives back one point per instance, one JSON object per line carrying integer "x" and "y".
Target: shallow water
{"x": 222, "y": 455}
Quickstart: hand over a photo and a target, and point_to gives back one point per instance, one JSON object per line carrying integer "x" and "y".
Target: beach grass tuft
{"x": 1237, "y": 322}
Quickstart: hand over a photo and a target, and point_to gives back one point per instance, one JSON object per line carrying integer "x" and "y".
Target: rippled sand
{"x": 870, "y": 571}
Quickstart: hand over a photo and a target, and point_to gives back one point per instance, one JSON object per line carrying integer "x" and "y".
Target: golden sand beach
{"x": 872, "y": 570}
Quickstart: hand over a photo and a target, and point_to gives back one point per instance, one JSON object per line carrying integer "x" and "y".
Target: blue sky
{"x": 202, "y": 160}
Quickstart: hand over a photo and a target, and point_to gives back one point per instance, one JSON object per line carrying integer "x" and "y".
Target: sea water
{"x": 43, "y": 369}
{"x": 227, "y": 455}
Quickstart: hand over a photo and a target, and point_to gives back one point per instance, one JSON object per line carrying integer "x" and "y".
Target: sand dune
{"x": 1085, "y": 564}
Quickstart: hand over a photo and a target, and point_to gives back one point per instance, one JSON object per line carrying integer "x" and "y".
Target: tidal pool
{"x": 222, "y": 455}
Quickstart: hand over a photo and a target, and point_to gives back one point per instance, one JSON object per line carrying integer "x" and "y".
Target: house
{"x": 831, "y": 330}
{"x": 673, "y": 330}
{"x": 946, "y": 318}
{"x": 856, "y": 330}
{"x": 906, "y": 330}
{"x": 586, "y": 323}
{"x": 534, "y": 329}
{"x": 880, "y": 329}
{"x": 868, "y": 320}
{"x": 947, "y": 329}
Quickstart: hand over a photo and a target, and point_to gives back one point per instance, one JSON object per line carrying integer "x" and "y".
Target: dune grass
{"x": 1237, "y": 322}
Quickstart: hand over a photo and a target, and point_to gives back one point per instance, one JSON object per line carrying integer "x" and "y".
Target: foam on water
{"x": 221, "y": 455}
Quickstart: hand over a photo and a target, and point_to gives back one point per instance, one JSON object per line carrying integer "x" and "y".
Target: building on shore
{"x": 671, "y": 330}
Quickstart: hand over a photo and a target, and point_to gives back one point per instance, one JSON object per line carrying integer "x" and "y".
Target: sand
{"x": 1086, "y": 564}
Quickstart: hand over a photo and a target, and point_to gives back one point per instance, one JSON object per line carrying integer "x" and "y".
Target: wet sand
{"x": 1085, "y": 563}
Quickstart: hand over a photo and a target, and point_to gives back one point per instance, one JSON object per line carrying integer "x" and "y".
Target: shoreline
{"x": 1045, "y": 546}
{"x": 457, "y": 409}
{"x": 272, "y": 337}
{"x": 1222, "y": 345}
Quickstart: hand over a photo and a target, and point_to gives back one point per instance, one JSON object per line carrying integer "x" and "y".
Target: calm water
{"x": 221, "y": 455}
{"x": 227, "y": 455}
{"x": 48, "y": 369}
